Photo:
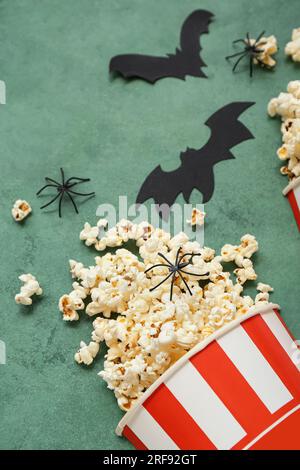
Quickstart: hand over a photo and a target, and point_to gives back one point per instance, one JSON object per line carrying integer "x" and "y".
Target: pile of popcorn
{"x": 293, "y": 47}
{"x": 287, "y": 105}
{"x": 268, "y": 46}
{"x": 148, "y": 332}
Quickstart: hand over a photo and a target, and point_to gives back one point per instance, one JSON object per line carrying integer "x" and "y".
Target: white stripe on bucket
{"x": 150, "y": 433}
{"x": 205, "y": 407}
{"x": 242, "y": 351}
{"x": 281, "y": 334}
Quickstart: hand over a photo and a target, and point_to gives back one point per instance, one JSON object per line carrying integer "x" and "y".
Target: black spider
{"x": 64, "y": 188}
{"x": 174, "y": 269}
{"x": 250, "y": 50}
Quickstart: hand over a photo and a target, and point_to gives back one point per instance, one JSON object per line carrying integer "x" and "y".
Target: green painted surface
{"x": 63, "y": 109}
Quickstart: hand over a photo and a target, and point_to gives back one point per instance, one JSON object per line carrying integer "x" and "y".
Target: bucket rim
{"x": 255, "y": 310}
{"x": 293, "y": 184}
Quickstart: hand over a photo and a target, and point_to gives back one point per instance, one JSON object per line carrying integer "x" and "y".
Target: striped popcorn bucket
{"x": 238, "y": 389}
{"x": 292, "y": 191}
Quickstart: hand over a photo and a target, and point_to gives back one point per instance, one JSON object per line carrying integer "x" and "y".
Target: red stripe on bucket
{"x": 129, "y": 434}
{"x": 234, "y": 391}
{"x": 274, "y": 353}
{"x": 175, "y": 420}
{"x": 294, "y": 205}
{"x": 284, "y": 436}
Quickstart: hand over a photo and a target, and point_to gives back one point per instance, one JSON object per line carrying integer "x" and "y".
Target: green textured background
{"x": 63, "y": 109}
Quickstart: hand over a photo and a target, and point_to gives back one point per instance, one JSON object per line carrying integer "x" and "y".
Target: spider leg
{"x": 258, "y": 37}
{"x": 73, "y": 202}
{"x": 165, "y": 279}
{"x": 177, "y": 255}
{"x": 194, "y": 254}
{"x": 52, "y": 181}
{"x": 172, "y": 286}
{"x": 239, "y": 40}
{"x": 62, "y": 176}
{"x": 192, "y": 274}
{"x": 251, "y": 66}
{"x": 163, "y": 256}
{"x": 258, "y": 51}
{"x": 248, "y": 39}
{"x": 44, "y": 187}
{"x": 238, "y": 61}
{"x": 156, "y": 266}
{"x": 260, "y": 62}
{"x": 185, "y": 283}
{"x": 81, "y": 194}
{"x": 50, "y": 202}
{"x": 234, "y": 55}
{"x": 79, "y": 180}
{"x": 188, "y": 254}
{"x": 60, "y": 203}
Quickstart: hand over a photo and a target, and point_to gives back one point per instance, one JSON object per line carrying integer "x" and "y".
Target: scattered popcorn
{"x": 31, "y": 287}
{"x": 287, "y": 105}
{"x": 262, "y": 297}
{"x": 246, "y": 272}
{"x": 197, "y": 217}
{"x": 71, "y": 303}
{"x": 268, "y": 46}
{"x": 236, "y": 254}
{"x": 21, "y": 209}
{"x": 116, "y": 236}
{"x": 86, "y": 353}
{"x": 144, "y": 331}
{"x": 264, "y": 288}
{"x": 293, "y": 47}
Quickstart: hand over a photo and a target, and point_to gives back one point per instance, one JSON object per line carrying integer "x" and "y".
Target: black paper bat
{"x": 186, "y": 60}
{"x": 196, "y": 170}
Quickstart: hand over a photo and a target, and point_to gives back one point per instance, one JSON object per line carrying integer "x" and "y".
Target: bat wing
{"x": 165, "y": 186}
{"x": 196, "y": 170}
{"x": 162, "y": 186}
{"x": 150, "y": 68}
{"x": 193, "y": 27}
{"x": 226, "y": 131}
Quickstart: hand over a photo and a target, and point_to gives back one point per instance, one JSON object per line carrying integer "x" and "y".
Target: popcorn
{"x": 197, "y": 217}
{"x": 31, "y": 287}
{"x": 86, "y": 353}
{"x": 287, "y": 105}
{"x": 268, "y": 46}
{"x": 262, "y": 298}
{"x": 89, "y": 234}
{"x": 264, "y": 288}
{"x": 236, "y": 254}
{"x": 293, "y": 47}
{"x": 144, "y": 331}
{"x": 21, "y": 209}
{"x": 246, "y": 272}
{"x": 71, "y": 303}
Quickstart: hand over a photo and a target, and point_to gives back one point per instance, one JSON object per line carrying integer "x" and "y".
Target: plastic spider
{"x": 250, "y": 50}
{"x": 64, "y": 188}
{"x": 175, "y": 269}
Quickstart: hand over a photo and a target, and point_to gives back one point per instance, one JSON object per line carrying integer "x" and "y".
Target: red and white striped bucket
{"x": 292, "y": 191}
{"x": 238, "y": 389}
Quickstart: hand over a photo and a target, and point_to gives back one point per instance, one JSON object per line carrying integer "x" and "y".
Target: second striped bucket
{"x": 292, "y": 192}
{"x": 238, "y": 389}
